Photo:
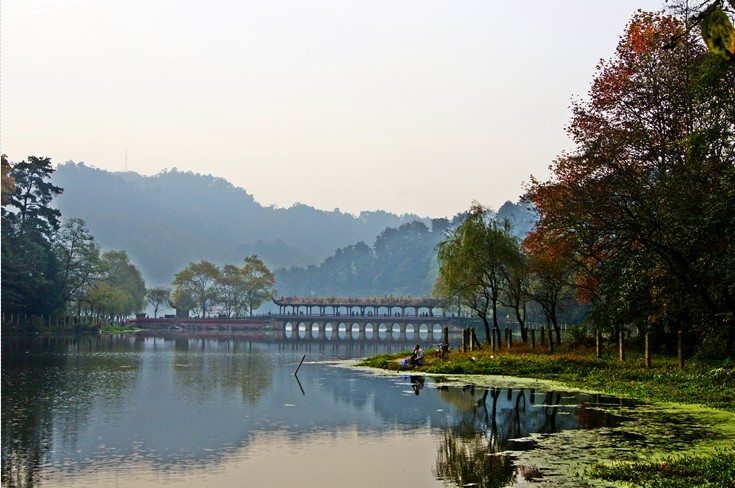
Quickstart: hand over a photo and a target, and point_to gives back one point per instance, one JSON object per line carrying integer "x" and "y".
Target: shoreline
{"x": 712, "y": 454}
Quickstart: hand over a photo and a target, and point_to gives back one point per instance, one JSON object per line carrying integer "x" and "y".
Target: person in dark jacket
{"x": 417, "y": 357}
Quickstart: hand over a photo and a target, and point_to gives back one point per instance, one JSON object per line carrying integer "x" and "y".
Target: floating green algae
{"x": 648, "y": 432}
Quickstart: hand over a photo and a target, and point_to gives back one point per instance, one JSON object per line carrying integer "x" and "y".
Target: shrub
{"x": 578, "y": 336}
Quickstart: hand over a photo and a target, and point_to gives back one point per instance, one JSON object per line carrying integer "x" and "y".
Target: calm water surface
{"x": 226, "y": 410}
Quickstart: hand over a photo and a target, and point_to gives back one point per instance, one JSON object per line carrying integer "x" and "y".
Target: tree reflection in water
{"x": 85, "y": 405}
{"x": 471, "y": 452}
{"x": 59, "y": 385}
{"x": 206, "y": 367}
{"x": 470, "y": 461}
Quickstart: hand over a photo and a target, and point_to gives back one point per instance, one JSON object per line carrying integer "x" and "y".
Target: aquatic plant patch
{"x": 702, "y": 383}
{"x": 716, "y": 470}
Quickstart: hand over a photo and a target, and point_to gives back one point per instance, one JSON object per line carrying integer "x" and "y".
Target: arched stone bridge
{"x": 379, "y": 314}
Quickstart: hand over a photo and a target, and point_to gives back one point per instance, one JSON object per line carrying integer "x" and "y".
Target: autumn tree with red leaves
{"x": 644, "y": 207}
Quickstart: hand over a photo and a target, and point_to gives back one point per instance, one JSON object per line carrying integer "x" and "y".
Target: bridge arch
{"x": 369, "y": 331}
{"x": 359, "y": 306}
{"x": 383, "y": 318}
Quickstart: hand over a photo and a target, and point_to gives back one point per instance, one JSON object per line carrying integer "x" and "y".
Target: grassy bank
{"x": 699, "y": 383}
{"x": 708, "y": 384}
{"x": 110, "y": 329}
{"x": 713, "y": 470}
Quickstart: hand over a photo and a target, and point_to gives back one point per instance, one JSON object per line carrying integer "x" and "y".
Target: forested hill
{"x": 173, "y": 218}
{"x": 401, "y": 261}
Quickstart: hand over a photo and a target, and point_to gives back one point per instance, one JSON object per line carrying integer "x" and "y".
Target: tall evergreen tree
{"x": 30, "y": 268}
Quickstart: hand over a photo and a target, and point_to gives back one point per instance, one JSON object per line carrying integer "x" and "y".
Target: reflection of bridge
{"x": 335, "y": 323}
{"x": 375, "y": 314}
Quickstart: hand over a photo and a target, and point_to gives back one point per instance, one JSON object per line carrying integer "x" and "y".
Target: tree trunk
{"x": 519, "y": 318}
{"x": 488, "y": 337}
{"x": 495, "y": 313}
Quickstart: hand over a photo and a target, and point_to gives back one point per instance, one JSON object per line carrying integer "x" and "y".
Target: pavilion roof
{"x": 387, "y": 301}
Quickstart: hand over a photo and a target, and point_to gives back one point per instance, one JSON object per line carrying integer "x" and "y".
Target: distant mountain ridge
{"x": 170, "y": 219}
{"x": 402, "y": 261}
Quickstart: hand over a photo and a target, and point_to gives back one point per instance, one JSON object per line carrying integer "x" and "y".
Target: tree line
{"x": 54, "y": 267}
{"x": 638, "y": 220}
{"x": 196, "y": 216}
{"x": 401, "y": 261}
{"x": 484, "y": 267}
{"x": 205, "y": 290}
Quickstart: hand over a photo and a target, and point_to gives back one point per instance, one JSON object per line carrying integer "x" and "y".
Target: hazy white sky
{"x": 407, "y": 106}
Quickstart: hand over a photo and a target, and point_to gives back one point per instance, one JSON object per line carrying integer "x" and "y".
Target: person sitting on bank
{"x": 417, "y": 356}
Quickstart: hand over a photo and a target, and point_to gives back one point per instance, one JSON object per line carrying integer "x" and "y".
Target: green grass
{"x": 118, "y": 329}
{"x": 707, "y": 384}
{"x": 698, "y": 383}
{"x": 716, "y": 470}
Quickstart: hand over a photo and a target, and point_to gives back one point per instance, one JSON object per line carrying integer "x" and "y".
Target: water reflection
{"x": 417, "y": 383}
{"x": 229, "y": 369}
{"x": 468, "y": 460}
{"x": 46, "y": 403}
{"x": 183, "y": 407}
{"x": 493, "y": 422}
{"x": 352, "y": 332}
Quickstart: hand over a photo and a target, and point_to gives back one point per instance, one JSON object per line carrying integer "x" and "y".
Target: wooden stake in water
{"x": 297, "y": 369}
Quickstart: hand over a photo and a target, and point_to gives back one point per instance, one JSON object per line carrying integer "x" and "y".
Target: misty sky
{"x": 407, "y": 106}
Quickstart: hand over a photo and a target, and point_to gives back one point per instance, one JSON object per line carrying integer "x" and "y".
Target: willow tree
{"x": 517, "y": 291}
{"x": 473, "y": 264}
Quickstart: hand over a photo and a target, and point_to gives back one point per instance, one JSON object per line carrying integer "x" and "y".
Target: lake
{"x": 225, "y": 409}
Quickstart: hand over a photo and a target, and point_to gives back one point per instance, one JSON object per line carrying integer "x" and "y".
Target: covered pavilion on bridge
{"x": 361, "y": 306}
